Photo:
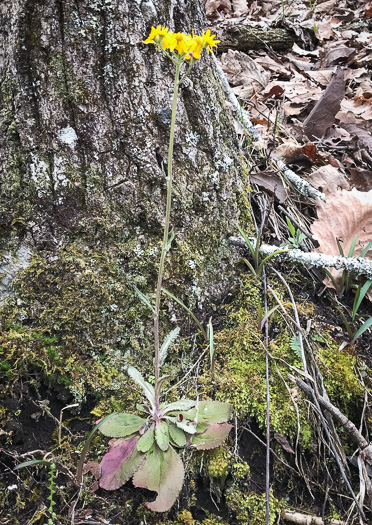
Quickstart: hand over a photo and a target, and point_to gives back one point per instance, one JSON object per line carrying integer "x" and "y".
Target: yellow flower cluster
{"x": 189, "y": 47}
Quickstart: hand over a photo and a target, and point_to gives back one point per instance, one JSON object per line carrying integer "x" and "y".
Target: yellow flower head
{"x": 157, "y": 35}
{"x": 196, "y": 46}
{"x": 209, "y": 40}
{"x": 187, "y": 46}
{"x": 182, "y": 43}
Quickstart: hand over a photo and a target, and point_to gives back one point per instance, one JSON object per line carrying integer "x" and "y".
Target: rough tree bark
{"x": 84, "y": 121}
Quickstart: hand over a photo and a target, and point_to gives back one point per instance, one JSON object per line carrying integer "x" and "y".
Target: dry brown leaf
{"x": 328, "y": 179}
{"x": 214, "y": 6}
{"x": 298, "y": 91}
{"x": 322, "y": 77}
{"x": 324, "y": 113}
{"x": 361, "y": 179}
{"x": 244, "y": 74}
{"x": 325, "y": 7}
{"x": 240, "y": 6}
{"x": 289, "y": 151}
{"x": 359, "y": 108}
{"x": 324, "y": 30}
{"x": 271, "y": 182}
{"x": 283, "y": 442}
{"x": 344, "y": 215}
{"x": 339, "y": 55}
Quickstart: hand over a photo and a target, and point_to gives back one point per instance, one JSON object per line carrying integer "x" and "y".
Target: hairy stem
{"x": 166, "y": 233}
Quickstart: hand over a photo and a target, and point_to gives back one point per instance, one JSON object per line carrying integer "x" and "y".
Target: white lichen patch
{"x": 39, "y": 175}
{"x": 10, "y": 266}
{"x": 191, "y": 137}
{"x": 68, "y": 136}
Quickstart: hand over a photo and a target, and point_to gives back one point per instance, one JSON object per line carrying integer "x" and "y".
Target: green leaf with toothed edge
{"x": 212, "y": 437}
{"x": 162, "y": 472}
{"x": 182, "y": 404}
{"x": 171, "y": 337}
{"x": 209, "y": 412}
{"x": 186, "y": 426}
{"x": 121, "y": 425}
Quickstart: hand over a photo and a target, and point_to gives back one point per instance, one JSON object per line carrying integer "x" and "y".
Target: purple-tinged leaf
{"x": 121, "y": 425}
{"x": 162, "y": 435}
{"x": 177, "y": 436}
{"x": 213, "y": 437}
{"x": 162, "y": 472}
{"x": 147, "y": 440}
{"x": 119, "y": 464}
{"x": 143, "y": 408}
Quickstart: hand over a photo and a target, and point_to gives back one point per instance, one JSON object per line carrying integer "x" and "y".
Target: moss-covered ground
{"x": 67, "y": 337}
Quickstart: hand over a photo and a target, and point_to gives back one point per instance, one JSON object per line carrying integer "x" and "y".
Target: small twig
{"x": 60, "y": 421}
{"x": 348, "y": 425}
{"x": 357, "y": 265}
{"x": 187, "y": 373}
{"x": 302, "y": 186}
{"x": 316, "y": 397}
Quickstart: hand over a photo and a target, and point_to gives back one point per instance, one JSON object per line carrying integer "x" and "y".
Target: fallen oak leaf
{"x": 271, "y": 182}
{"x": 323, "y": 115}
{"x": 346, "y": 214}
{"x": 328, "y": 179}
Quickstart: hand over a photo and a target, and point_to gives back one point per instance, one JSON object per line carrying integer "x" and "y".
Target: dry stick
{"x": 357, "y": 265}
{"x": 348, "y": 425}
{"x": 301, "y": 185}
{"x": 306, "y": 519}
{"x": 315, "y": 399}
{"x": 267, "y": 403}
{"x": 234, "y": 101}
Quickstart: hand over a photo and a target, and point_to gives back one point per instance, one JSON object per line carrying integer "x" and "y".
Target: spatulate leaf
{"x": 147, "y": 440}
{"x": 121, "y": 425}
{"x": 162, "y": 435}
{"x": 162, "y": 472}
{"x": 177, "y": 436}
{"x": 119, "y": 464}
{"x": 213, "y": 437}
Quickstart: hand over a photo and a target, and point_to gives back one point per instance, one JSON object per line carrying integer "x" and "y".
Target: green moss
{"x": 339, "y": 370}
{"x": 218, "y": 462}
{"x": 251, "y": 508}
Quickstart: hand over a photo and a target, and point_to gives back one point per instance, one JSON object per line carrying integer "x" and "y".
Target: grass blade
{"x": 352, "y": 247}
{"x": 362, "y": 329}
{"x": 188, "y": 311}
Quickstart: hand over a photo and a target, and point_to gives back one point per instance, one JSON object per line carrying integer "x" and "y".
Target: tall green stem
{"x": 166, "y": 231}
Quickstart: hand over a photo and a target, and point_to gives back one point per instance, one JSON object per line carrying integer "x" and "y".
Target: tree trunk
{"x": 85, "y": 114}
